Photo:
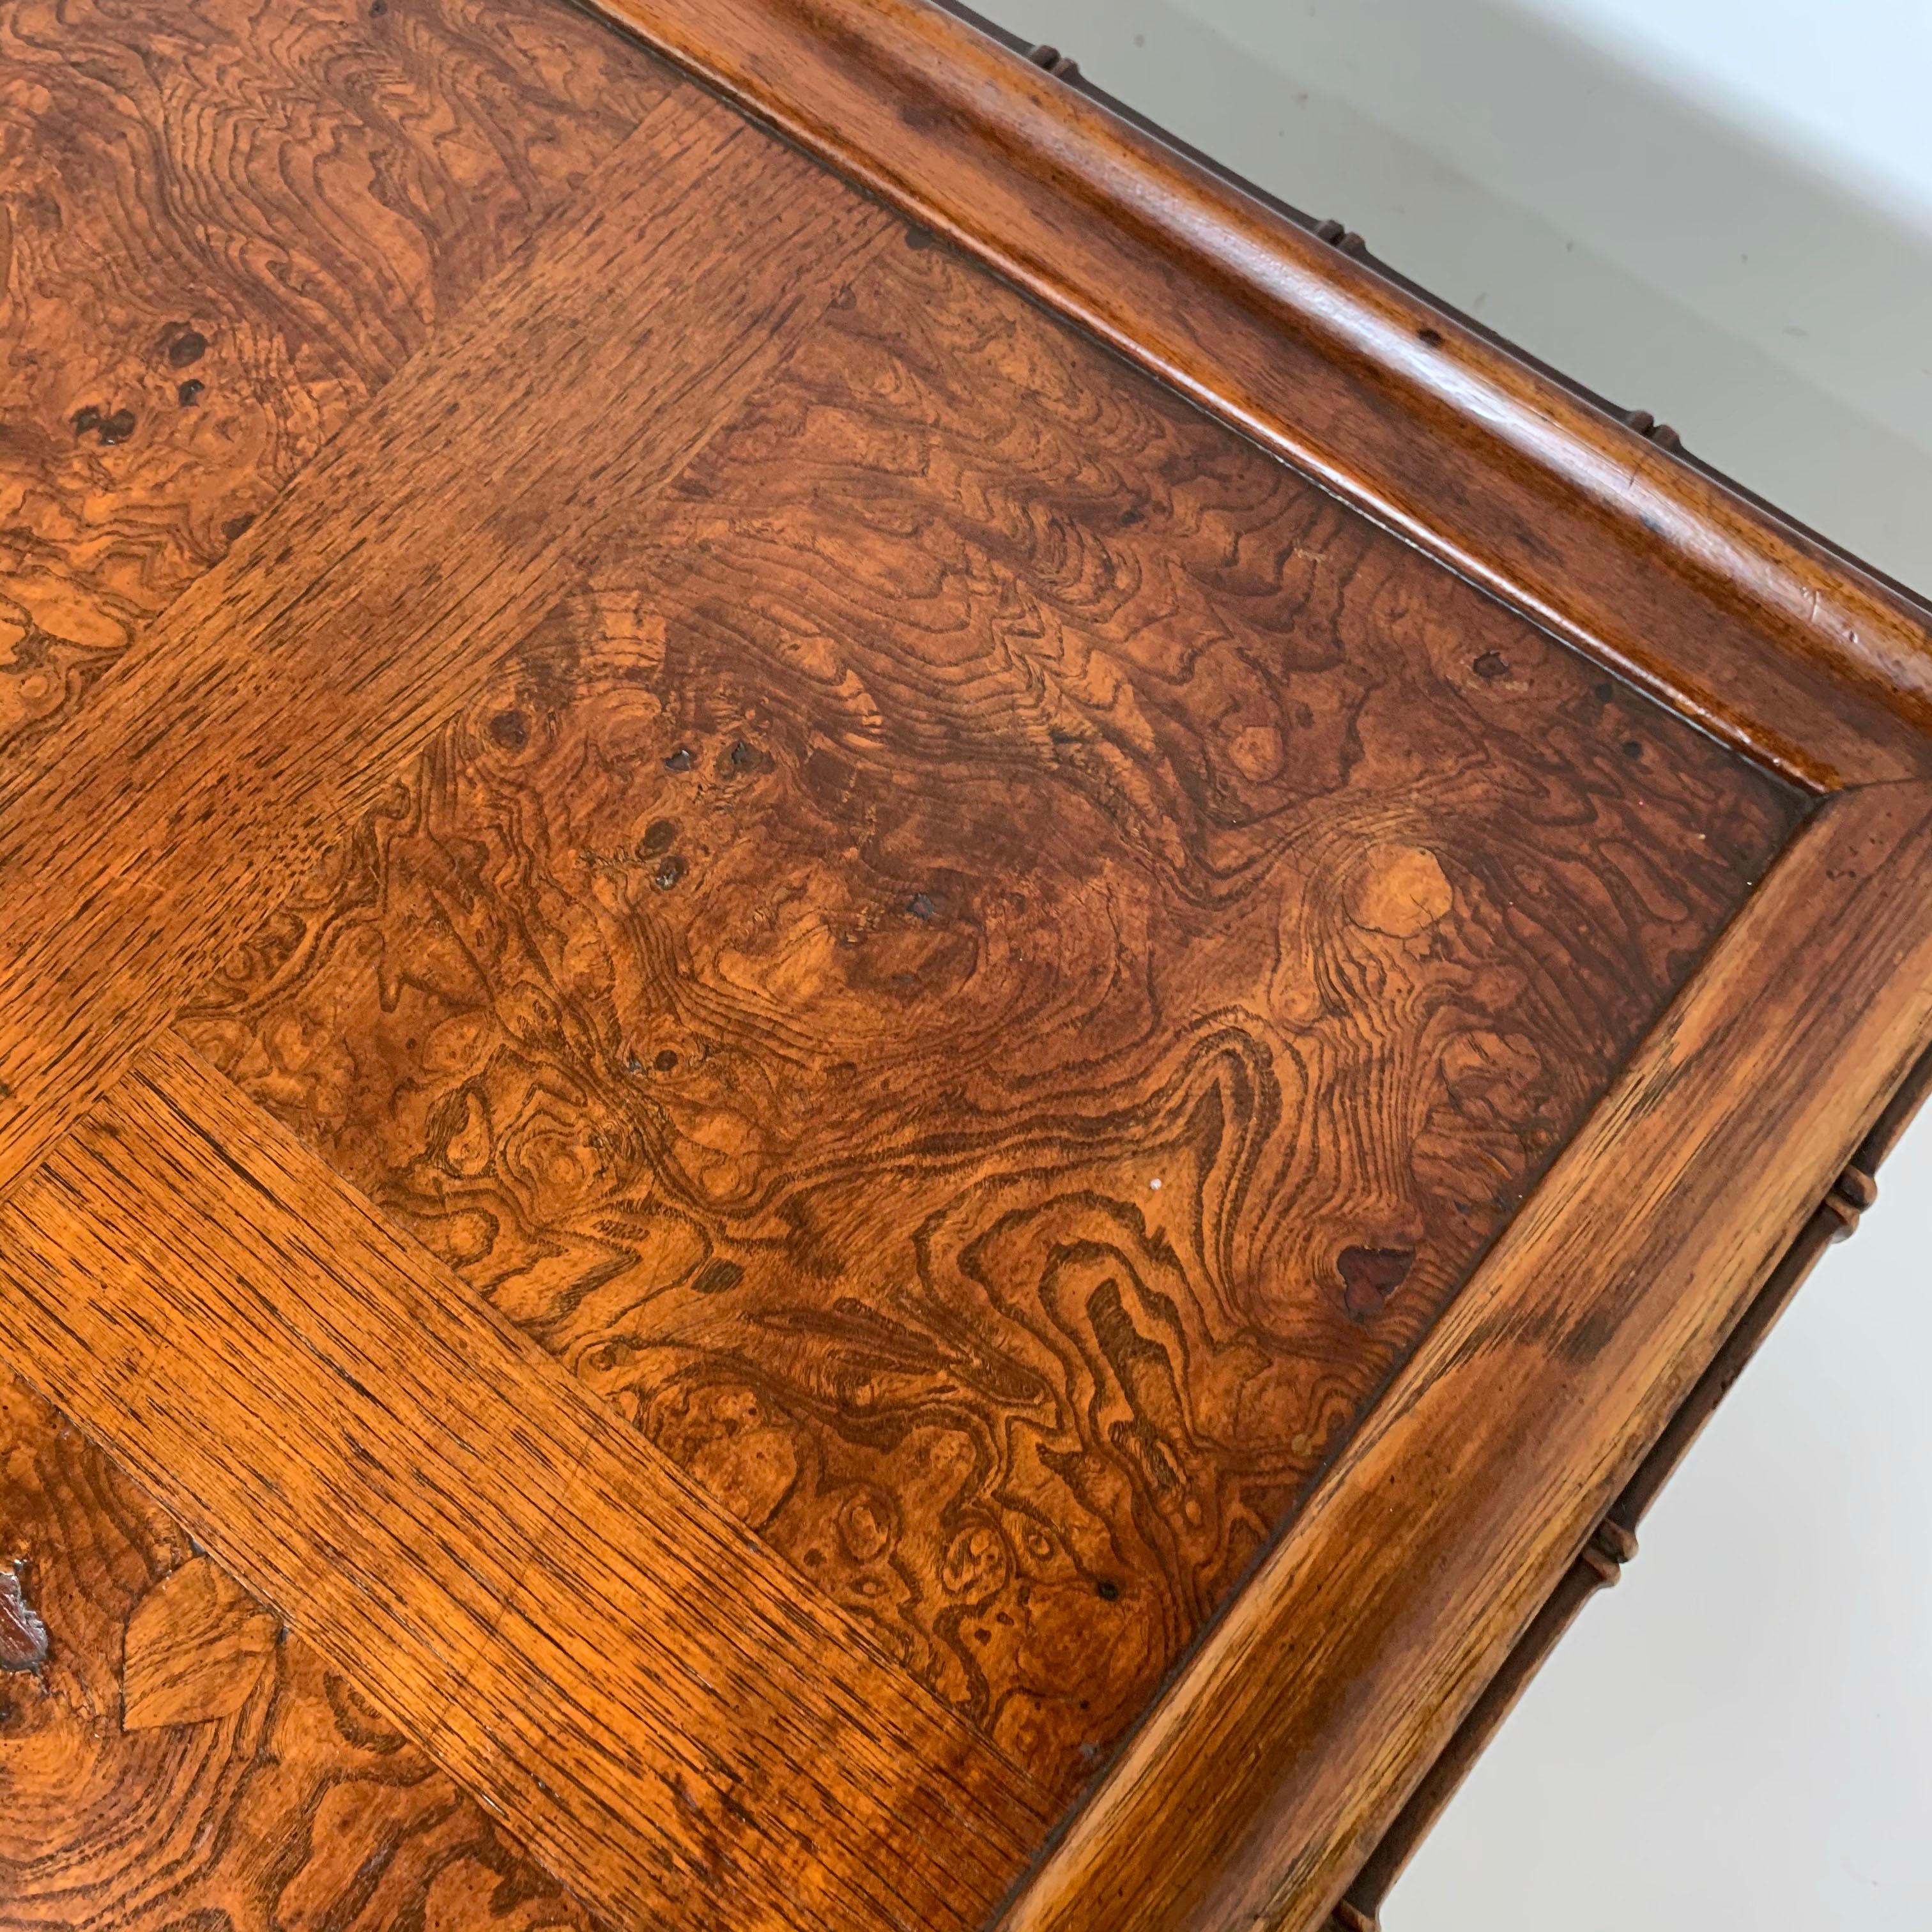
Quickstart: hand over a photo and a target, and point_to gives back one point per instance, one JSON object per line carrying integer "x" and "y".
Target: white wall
{"x": 1719, "y": 211}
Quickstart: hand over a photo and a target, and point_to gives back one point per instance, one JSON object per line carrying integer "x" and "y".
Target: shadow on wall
{"x": 1662, "y": 254}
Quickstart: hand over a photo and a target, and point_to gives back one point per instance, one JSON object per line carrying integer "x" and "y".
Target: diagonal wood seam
{"x": 138, "y": 842}
{"x": 208, "y": 1524}
{"x": 907, "y": 1765}
{"x": 600, "y": 1423}
{"x": 114, "y": 910}
{"x": 426, "y": 1725}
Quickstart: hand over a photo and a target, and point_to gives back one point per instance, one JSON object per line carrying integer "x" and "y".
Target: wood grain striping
{"x": 226, "y": 225}
{"x": 1614, "y": 1541}
{"x": 284, "y": 686}
{"x": 987, "y": 977}
{"x": 681, "y": 1728}
{"x": 920, "y": 923}
{"x": 178, "y": 1760}
{"x": 1343, "y": 1667}
{"x": 1790, "y": 653}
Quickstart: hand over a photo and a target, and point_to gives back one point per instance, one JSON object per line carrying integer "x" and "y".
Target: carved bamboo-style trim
{"x": 1609, "y": 1548}
{"x": 1053, "y": 61}
{"x": 1646, "y": 424}
{"x": 1613, "y": 1542}
{"x": 1851, "y": 1194}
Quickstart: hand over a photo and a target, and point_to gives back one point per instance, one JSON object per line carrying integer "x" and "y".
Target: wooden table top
{"x": 891, "y": 1020}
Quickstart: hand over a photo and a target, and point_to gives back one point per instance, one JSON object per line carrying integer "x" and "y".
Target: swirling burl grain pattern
{"x": 985, "y": 985}
{"x": 223, "y": 225}
{"x": 170, "y": 1758}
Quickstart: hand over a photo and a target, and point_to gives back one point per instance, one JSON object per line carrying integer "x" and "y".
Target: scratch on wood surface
{"x": 23, "y": 1637}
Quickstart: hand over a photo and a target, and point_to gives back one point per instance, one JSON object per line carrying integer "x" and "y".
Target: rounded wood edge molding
{"x": 1792, "y": 654}
{"x": 1614, "y": 1543}
{"x": 1285, "y": 1748}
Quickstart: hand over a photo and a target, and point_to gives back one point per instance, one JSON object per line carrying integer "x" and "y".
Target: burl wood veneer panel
{"x": 148, "y": 832}
{"x": 171, "y": 1757}
{"x": 223, "y": 225}
{"x": 984, "y": 975}
{"x": 676, "y": 1722}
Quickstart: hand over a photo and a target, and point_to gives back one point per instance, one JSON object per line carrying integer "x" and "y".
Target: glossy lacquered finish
{"x": 841, "y": 1150}
{"x": 1805, "y": 662}
{"x": 845, "y": 1119}
{"x": 174, "y": 1755}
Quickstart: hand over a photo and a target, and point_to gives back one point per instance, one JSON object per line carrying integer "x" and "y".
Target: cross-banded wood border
{"x": 1294, "y": 1735}
{"x": 1794, "y": 655}
{"x": 269, "y": 700}
{"x": 677, "y": 1723}
{"x": 1614, "y": 1541}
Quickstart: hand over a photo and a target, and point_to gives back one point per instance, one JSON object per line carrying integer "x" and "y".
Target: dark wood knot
{"x": 1370, "y": 1275}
